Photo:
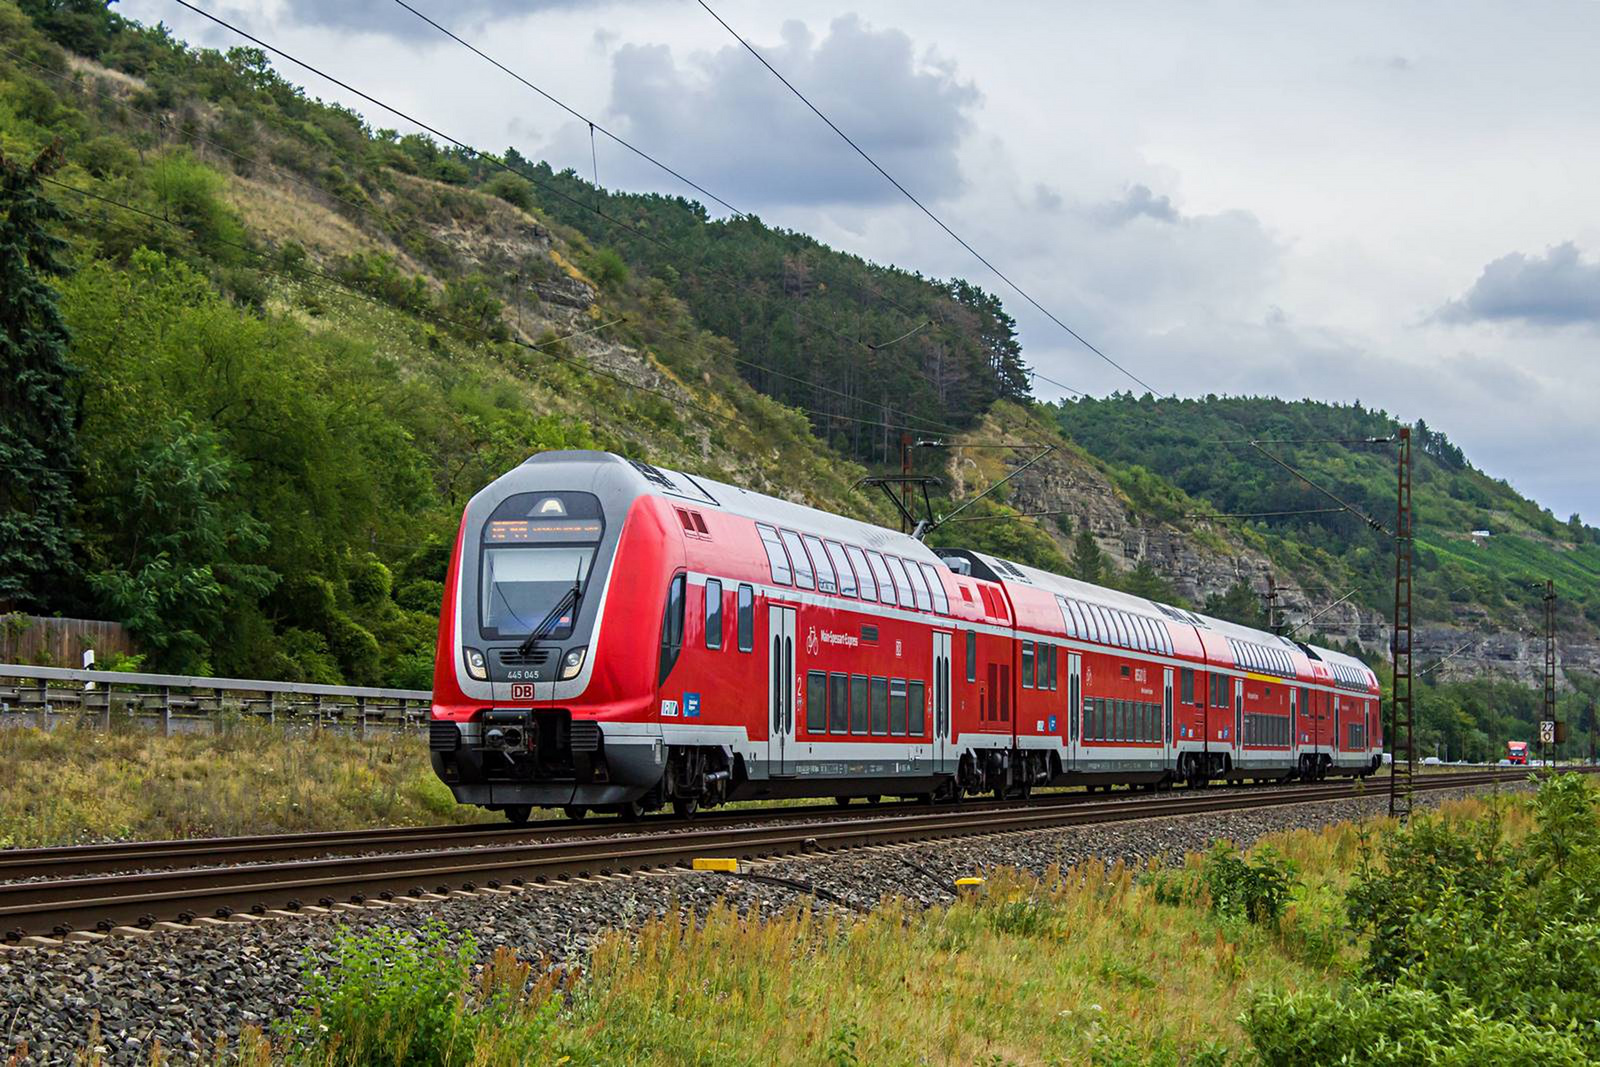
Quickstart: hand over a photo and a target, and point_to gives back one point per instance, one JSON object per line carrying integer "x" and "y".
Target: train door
{"x": 1294, "y": 723}
{"x": 780, "y": 689}
{"x": 1166, "y": 718}
{"x": 1074, "y": 707}
{"x": 1335, "y": 740}
{"x": 941, "y": 696}
{"x": 1237, "y": 739}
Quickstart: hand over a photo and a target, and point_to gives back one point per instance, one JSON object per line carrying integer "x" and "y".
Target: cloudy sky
{"x": 1391, "y": 202}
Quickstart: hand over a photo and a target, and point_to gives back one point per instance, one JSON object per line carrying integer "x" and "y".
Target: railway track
{"x": 69, "y": 861}
{"x": 57, "y": 907}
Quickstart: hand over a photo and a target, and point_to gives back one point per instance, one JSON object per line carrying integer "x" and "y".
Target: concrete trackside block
{"x": 709, "y": 863}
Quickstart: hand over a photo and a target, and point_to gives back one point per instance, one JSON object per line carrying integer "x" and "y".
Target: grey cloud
{"x": 1139, "y": 202}
{"x": 388, "y": 17}
{"x": 1557, "y": 289}
{"x": 746, "y": 137}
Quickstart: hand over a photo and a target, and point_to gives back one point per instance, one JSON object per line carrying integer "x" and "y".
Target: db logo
{"x": 811, "y": 641}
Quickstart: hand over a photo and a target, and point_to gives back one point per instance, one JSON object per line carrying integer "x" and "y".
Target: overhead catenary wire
{"x": 892, "y": 180}
{"x": 462, "y": 145}
{"x": 594, "y": 126}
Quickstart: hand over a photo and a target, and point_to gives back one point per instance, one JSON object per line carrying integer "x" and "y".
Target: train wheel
{"x": 519, "y": 813}
{"x": 575, "y": 812}
{"x": 685, "y": 807}
{"x": 843, "y": 802}
{"x": 630, "y": 810}
{"x": 873, "y": 801}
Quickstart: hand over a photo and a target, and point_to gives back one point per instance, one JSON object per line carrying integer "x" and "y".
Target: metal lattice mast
{"x": 1549, "y": 657}
{"x": 1402, "y": 744}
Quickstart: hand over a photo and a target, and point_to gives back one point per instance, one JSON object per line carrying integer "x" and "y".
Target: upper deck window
{"x": 776, "y": 557}
{"x": 797, "y": 555}
{"x": 902, "y": 584}
{"x": 869, "y": 584}
{"x": 919, "y": 586}
{"x": 880, "y": 571}
{"x": 847, "y": 578}
{"x": 827, "y": 581}
{"x": 941, "y": 602}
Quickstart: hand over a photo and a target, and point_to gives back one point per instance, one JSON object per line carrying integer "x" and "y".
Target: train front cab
{"x": 564, "y": 720}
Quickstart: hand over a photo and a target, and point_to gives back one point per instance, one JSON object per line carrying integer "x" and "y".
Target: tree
{"x": 1144, "y": 580}
{"x": 1088, "y": 562}
{"x": 1239, "y": 604}
{"x": 39, "y": 405}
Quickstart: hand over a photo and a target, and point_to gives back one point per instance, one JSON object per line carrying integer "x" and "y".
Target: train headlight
{"x": 476, "y": 665}
{"x": 572, "y": 663}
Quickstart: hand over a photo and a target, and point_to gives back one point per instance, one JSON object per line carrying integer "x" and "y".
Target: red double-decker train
{"x": 620, "y": 637}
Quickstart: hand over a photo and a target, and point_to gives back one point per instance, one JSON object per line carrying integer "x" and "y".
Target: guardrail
{"x": 169, "y": 698}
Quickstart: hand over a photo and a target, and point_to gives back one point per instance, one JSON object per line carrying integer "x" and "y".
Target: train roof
{"x": 1243, "y": 642}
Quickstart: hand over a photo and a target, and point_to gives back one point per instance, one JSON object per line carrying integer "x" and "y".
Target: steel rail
{"x": 123, "y": 856}
{"x": 60, "y": 906}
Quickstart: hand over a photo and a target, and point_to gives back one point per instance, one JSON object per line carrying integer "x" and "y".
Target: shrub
{"x": 397, "y": 997}
{"x": 1255, "y": 891}
{"x": 1396, "y": 1028}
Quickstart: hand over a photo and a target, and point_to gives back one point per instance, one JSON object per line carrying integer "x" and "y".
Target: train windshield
{"x": 536, "y": 549}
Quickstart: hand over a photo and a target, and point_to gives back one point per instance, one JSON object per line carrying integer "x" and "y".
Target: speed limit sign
{"x": 1547, "y": 732}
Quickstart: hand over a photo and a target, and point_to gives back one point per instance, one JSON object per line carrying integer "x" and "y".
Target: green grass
{"x": 75, "y": 784}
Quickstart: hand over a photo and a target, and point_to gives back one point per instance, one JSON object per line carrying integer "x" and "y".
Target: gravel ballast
{"x": 187, "y": 988}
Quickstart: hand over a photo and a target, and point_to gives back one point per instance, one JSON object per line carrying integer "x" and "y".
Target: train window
{"x": 776, "y": 557}
{"x": 1101, "y": 624}
{"x": 858, "y": 704}
{"x": 941, "y": 602}
{"x": 713, "y": 613}
{"x": 1186, "y": 685}
{"x": 1219, "y": 690}
{"x": 827, "y": 581}
{"x": 847, "y": 578}
{"x": 880, "y": 571}
{"x": 1102, "y": 714}
{"x": 816, "y": 702}
{"x": 869, "y": 584}
{"x": 880, "y": 705}
{"x": 747, "y": 618}
{"x": 1136, "y": 631}
{"x": 671, "y": 628}
{"x": 1066, "y": 616}
{"x": 972, "y": 655}
{"x": 1027, "y": 664}
{"x": 1080, "y": 617}
{"x": 838, "y": 703}
{"x": 902, "y": 584}
{"x": 797, "y": 556}
{"x": 1047, "y": 664}
{"x": 1124, "y": 623}
{"x": 917, "y": 707}
{"x": 919, "y": 586}
{"x": 897, "y": 707}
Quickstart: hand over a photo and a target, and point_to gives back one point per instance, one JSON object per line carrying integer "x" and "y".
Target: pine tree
{"x": 1144, "y": 580}
{"x": 38, "y": 399}
{"x": 1088, "y": 562}
{"x": 1239, "y": 604}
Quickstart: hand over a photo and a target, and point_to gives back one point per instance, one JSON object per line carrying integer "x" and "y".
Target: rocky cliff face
{"x": 1209, "y": 559}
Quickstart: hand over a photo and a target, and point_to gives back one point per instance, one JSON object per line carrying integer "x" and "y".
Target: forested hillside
{"x": 260, "y": 352}
{"x": 1483, "y": 551}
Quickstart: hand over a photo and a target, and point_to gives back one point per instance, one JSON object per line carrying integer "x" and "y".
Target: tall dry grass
{"x": 80, "y": 783}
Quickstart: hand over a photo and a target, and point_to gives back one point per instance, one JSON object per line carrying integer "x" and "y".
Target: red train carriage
{"x": 617, "y": 636}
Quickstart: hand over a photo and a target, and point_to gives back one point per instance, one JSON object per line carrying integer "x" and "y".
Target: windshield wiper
{"x": 569, "y": 602}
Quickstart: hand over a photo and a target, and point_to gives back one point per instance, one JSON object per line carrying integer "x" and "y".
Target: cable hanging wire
{"x": 462, "y": 145}
{"x": 594, "y": 126}
{"x": 1330, "y": 494}
{"x": 996, "y": 271}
